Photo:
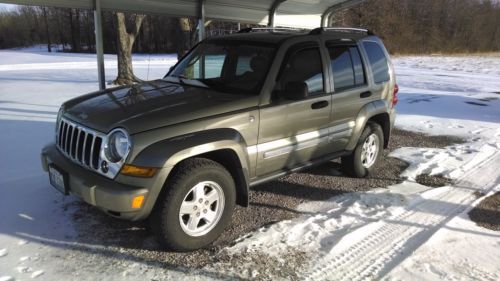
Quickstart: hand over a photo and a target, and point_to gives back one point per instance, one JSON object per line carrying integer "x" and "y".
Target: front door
{"x": 294, "y": 132}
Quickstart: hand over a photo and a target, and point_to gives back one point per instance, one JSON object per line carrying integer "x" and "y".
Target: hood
{"x": 150, "y": 105}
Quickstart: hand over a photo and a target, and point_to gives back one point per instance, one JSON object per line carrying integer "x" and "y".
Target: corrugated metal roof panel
{"x": 293, "y": 13}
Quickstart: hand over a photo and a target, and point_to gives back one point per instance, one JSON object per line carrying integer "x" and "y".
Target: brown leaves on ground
{"x": 487, "y": 213}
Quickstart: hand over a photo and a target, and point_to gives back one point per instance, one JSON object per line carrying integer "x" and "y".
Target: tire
{"x": 358, "y": 164}
{"x": 193, "y": 179}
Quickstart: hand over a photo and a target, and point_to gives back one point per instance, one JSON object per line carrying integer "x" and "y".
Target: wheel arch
{"x": 225, "y": 146}
{"x": 384, "y": 121}
{"x": 378, "y": 112}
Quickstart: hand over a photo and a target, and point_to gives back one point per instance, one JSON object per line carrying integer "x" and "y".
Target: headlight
{"x": 118, "y": 145}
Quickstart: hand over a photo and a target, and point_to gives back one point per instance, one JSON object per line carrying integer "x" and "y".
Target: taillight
{"x": 395, "y": 95}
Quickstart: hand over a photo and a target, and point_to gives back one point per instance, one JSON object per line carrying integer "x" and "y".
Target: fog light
{"x": 104, "y": 167}
{"x": 137, "y": 202}
{"x": 136, "y": 171}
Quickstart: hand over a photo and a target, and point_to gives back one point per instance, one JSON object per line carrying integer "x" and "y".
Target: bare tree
{"x": 126, "y": 39}
{"x": 74, "y": 21}
{"x": 407, "y": 26}
{"x": 184, "y": 38}
{"x": 44, "y": 10}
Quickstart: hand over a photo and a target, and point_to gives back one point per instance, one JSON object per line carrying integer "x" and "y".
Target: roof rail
{"x": 320, "y": 30}
{"x": 271, "y": 29}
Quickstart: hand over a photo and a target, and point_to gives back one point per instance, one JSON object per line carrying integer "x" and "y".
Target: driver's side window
{"x": 304, "y": 66}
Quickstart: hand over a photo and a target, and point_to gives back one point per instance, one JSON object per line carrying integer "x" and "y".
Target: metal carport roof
{"x": 292, "y": 13}
{"x": 286, "y": 13}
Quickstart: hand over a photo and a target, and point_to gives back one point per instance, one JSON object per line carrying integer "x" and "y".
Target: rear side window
{"x": 378, "y": 62}
{"x": 305, "y": 66}
{"x": 347, "y": 67}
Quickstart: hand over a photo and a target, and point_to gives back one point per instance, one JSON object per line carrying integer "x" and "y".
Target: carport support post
{"x": 272, "y": 12}
{"x": 201, "y": 20}
{"x": 98, "y": 44}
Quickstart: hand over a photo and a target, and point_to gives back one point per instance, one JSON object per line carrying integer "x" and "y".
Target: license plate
{"x": 58, "y": 179}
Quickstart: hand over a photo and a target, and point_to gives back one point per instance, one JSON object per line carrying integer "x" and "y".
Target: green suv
{"x": 234, "y": 112}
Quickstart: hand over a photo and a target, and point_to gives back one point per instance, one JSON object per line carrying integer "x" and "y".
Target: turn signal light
{"x": 137, "y": 202}
{"x": 136, "y": 171}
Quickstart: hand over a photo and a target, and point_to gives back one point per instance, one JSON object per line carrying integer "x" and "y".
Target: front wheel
{"x": 367, "y": 153}
{"x": 195, "y": 207}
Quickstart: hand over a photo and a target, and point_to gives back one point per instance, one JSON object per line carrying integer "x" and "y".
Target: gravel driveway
{"x": 270, "y": 202}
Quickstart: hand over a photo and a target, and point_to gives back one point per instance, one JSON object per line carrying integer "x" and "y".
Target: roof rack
{"x": 271, "y": 29}
{"x": 320, "y": 30}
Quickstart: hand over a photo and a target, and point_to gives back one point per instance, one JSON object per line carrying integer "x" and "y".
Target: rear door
{"x": 377, "y": 61}
{"x": 294, "y": 132}
{"x": 351, "y": 89}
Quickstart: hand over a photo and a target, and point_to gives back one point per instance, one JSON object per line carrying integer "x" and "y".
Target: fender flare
{"x": 168, "y": 153}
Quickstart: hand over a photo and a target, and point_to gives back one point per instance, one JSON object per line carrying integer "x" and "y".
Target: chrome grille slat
{"x": 96, "y": 153}
{"x": 59, "y": 136}
{"x": 65, "y": 129}
{"x": 83, "y": 138}
{"x": 70, "y": 148}
{"x": 69, "y": 131}
{"x": 76, "y": 145}
{"x": 84, "y": 153}
{"x": 91, "y": 161}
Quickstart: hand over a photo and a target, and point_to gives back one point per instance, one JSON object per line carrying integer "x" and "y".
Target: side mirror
{"x": 295, "y": 90}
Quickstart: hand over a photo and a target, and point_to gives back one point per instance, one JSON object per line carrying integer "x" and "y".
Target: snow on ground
{"x": 411, "y": 231}
{"x": 408, "y": 231}
{"x": 37, "y": 234}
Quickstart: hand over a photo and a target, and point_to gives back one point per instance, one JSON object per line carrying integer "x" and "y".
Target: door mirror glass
{"x": 295, "y": 91}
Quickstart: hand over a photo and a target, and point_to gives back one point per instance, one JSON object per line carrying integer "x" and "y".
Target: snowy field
{"x": 406, "y": 232}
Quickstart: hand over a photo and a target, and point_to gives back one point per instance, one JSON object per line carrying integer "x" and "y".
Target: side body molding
{"x": 369, "y": 110}
{"x": 167, "y": 153}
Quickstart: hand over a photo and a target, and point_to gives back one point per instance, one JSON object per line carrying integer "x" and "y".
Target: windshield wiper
{"x": 181, "y": 79}
{"x": 193, "y": 82}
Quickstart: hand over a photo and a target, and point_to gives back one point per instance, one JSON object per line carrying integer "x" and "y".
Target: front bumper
{"x": 111, "y": 196}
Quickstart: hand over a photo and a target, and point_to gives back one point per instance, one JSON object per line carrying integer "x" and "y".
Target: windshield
{"x": 231, "y": 67}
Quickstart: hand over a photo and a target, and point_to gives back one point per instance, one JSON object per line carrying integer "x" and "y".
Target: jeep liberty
{"x": 234, "y": 112}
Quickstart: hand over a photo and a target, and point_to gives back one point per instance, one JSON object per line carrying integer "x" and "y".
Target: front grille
{"x": 80, "y": 144}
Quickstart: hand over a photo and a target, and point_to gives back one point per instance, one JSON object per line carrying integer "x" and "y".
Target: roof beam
{"x": 99, "y": 44}
{"x": 325, "y": 17}
{"x": 291, "y": 12}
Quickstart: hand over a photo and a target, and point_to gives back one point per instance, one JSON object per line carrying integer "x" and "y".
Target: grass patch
{"x": 487, "y": 213}
{"x": 433, "y": 181}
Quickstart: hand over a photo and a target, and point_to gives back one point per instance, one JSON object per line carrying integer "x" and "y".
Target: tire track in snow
{"x": 377, "y": 247}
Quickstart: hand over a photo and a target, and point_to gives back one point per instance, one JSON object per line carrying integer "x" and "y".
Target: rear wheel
{"x": 367, "y": 152}
{"x": 195, "y": 207}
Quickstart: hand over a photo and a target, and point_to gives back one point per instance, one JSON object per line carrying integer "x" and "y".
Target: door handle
{"x": 319, "y": 104}
{"x": 364, "y": 95}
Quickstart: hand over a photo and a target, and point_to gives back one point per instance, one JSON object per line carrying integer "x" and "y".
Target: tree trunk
{"x": 75, "y": 30}
{"x": 44, "y": 10}
{"x": 124, "y": 49}
{"x": 184, "y": 42}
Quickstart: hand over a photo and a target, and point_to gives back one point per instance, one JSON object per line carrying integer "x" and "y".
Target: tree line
{"x": 407, "y": 26}
{"x": 73, "y": 29}
{"x": 427, "y": 26}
